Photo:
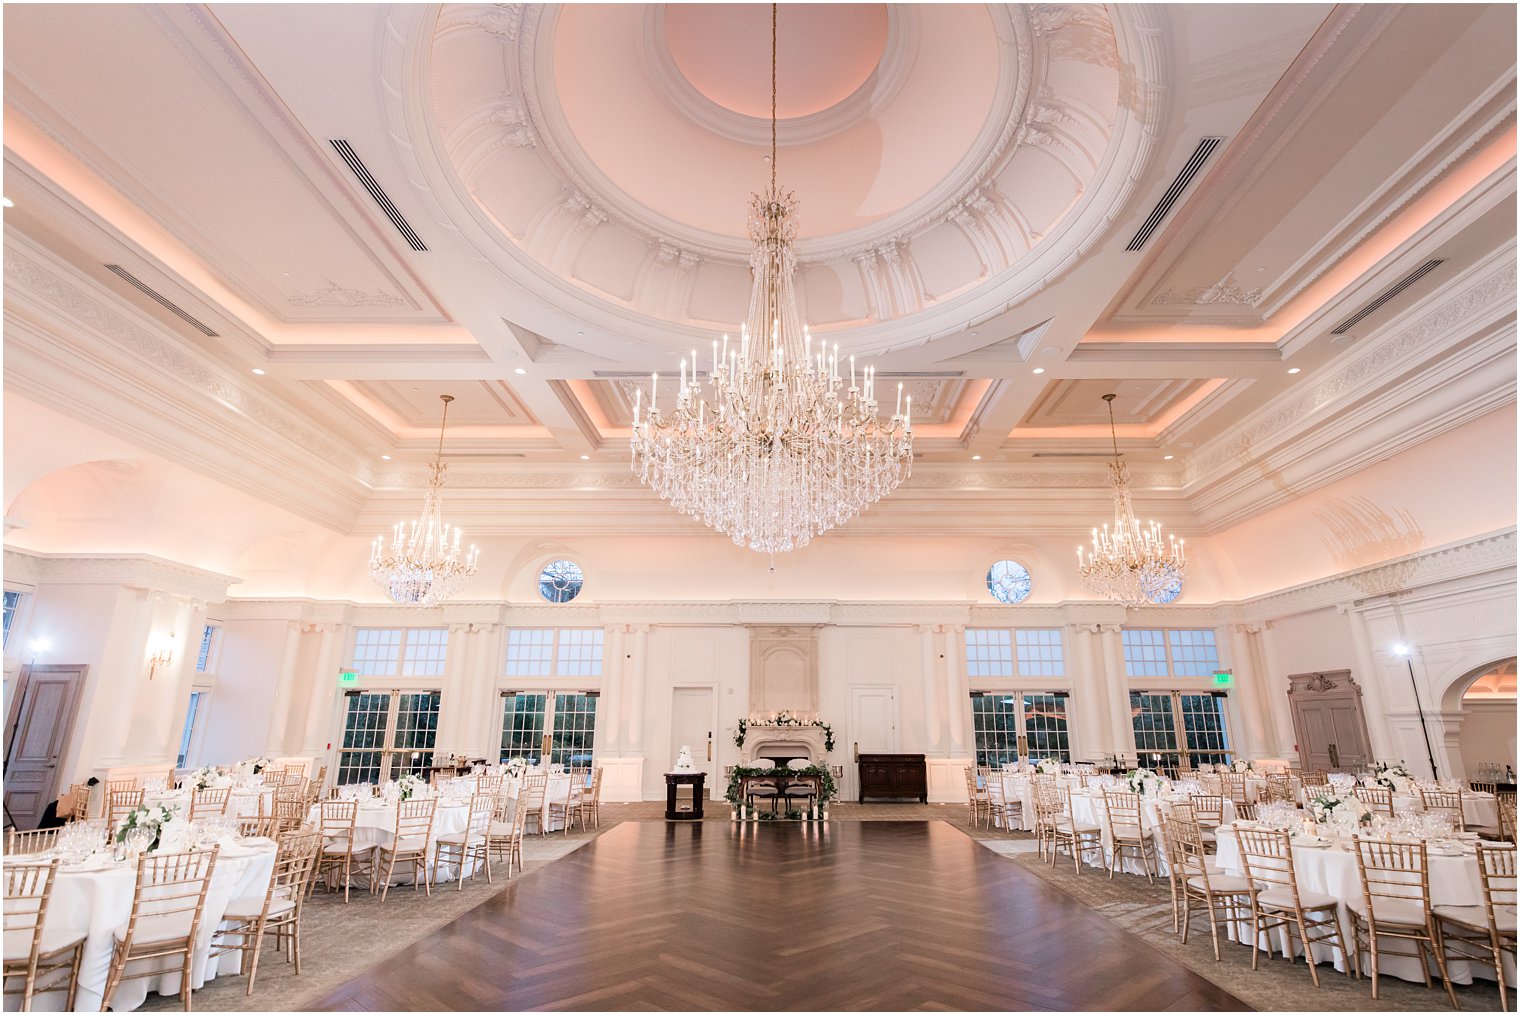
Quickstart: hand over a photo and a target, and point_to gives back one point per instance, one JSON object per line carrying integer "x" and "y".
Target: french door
{"x": 568, "y": 716}
{"x": 1173, "y": 727}
{"x": 386, "y": 734}
{"x": 1020, "y": 724}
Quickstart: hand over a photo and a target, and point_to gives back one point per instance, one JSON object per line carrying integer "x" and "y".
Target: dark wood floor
{"x": 847, "y": 916}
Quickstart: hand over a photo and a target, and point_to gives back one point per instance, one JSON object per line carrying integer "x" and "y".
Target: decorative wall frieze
{"x": 152, "y": 575}
{"x": 331, "y": 294}
{"x": 1226, "y": 291}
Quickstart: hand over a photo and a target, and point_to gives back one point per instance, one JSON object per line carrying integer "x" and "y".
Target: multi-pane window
{"x": 12, "y": 604}
{"x": 1158, "y": 716}
{"x": 205, "y": 659}
{"x": 191, "y": 713}
{"x": 1010, "y": 726}
{"x": 400, "y": 651}
{"x": 554, "y": 652}
{"x": 1170, "y": 653}
{"x": 1024, "y": 652}
{"x": 570, "y": 715}
{"x": 386, "y": 734}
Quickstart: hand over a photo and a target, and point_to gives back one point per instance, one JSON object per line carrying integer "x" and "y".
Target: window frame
{"x": 551, "y": 676}
{"x": 1171, "y": 674}
{"x": 1183, "y": 751}
{"x": 550, "y": 713}
{"x": 191, "y": 737}
{"x": 1018, "y": 677}
{"x": 1020, "y": 747}
{"x": 388, "y": 749}
{"x": 398, "y": 678}
{"x": 214, "y": 652}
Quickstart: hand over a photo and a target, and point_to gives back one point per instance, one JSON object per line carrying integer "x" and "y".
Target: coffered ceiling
{"x": 535, "y": 207}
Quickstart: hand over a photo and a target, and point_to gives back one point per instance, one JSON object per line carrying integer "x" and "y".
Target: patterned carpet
{"x": 340, "y": 941}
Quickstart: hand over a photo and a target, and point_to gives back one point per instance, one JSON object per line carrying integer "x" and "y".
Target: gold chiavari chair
{"x": 591, "y": 802}
{"x": 1507, "y": 816}
{"x": 277, "y": 911}
{"x": 77, "y": 802}
{"x": 1280, "y": 789}
{"x": 1487, "y": 932}
{"x": 1395, "y": 904}
{"x": 1208, "y": 809}
{"x": 274, "y": 775}
{"x": 997, "y": 804}
{"x": 167, "y": 906}
{"x": 565, "y": 809}
{"x": 209, "y": 803}
{"x": 1211, "y": 782}
{"x": 1046, "y": 807}
{"x": 1079, "y": 836}
{"x": 978, "y": 804}
{"x": 1173, "y": 863}
{"x": 118, "y": 803}
{"x": 410, "y": 842}
{"x": 1279, "y": 902}
{"x": 492, "y": 783}
{"x": 1447, "y": 802}
{"x": 1126, "y": 831}
{"x": 1379, "y": 799}
{"x": 1218, "y": 893}
{"x": 24, "y": 843}
{"x": 536, "y": 785}
{"x": 288, "y": 816}
{"x": 505, "y": 833}
{"x": 472, "y": 843}
{"x": 121, "y": 785}
{"x": 257, "y": 823}
{"x": 1315, "y": 778}
{"x": 1483, "y": 787}
{"x": 33, "y": 953}
{"x": 338, "y": 854}
{"x": 318, "y": 781}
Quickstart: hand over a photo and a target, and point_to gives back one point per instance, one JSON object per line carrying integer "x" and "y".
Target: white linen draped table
{"x": 1477, "y": 808}
{"x": 1019, "y": 786}
{"x": 375, "y": 825}
{"x": 1332, "y": 870}
{"x": 242, "y": 802}
{"x": 556, "y": 791}
{"x": 96, "y": 902}
{"x": 1088, "y": 806}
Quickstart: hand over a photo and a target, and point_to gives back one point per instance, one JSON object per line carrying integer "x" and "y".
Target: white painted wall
{"x": 1488, "y": 734}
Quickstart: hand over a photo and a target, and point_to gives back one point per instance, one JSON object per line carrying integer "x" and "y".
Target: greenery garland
{"x": 826, "y": 789}
{"x": 784, "y": 721}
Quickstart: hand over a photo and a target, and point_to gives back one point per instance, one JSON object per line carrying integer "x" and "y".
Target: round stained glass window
{"x": 560, "y": 581}
{"x": 1166, "y": 593}
{"x": 1008, "y": 581}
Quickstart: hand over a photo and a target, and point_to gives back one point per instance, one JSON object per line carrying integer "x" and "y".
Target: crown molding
{"x": 137, "y": 571}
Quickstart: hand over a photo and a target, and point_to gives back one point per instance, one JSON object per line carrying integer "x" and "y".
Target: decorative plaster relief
{"x": 1225, "y": 291}
{"x": 331, "y": 294}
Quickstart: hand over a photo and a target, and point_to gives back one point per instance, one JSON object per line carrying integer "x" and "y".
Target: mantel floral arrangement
{"x": 1048, "y": 766}
{"x": 827, "y": 790}
{"x": 1145, "y": 782}
{"x": 784, "y": 719}
{"x": 162, "y": 824}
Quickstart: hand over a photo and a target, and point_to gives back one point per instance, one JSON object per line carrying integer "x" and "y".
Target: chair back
{"x": 414, "y": 823}
{"x": 478, "y": 826}
{"x": 23, "y": 843}
{"x": 1483, "y": 787}
{"x": 1316, "y": 778}
{"x": 207, "y": 803}
{"x": 291, "y": 790}
{"x": 170, "y": 896}
{"x": 1267, "y": 855}
{"x": 289, "y": 815}
{"x": 1122, "y": 807}
{"x": 273, "y": 775}
{"x": 1208, "y": 808}
{"x": 1496, "y": 870}
{"x": 28, "y": 888}
{"x": 119, "y": 802}
{"x": 1397, "y": 871}
{"x": 294, "y": 864}
{"x": 1211, "y": 783}
{"x": 1191, "y": 854}
{"x": 491, "y": 783}
{"x": 534, "y": 788}
{"x": 77, "y": 802}
{"x": 1378, "y": 799}
{"x": 596, "y": 785}
{"x": 1447, "y": 802}
{"x": 338, "y": 817}
{"x": 120, "y": 785}
{"x": 1235, "y": 785}
{"x": 1507, "y": 816}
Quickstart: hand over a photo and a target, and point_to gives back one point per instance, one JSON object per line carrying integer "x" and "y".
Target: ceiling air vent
{"x": 1169, "y": 199}
{"x": 1072, "y": 454}
{"x": 1388, "y": 294}
{"x": 348, "y": 155}
{"x": 159, "y": 298}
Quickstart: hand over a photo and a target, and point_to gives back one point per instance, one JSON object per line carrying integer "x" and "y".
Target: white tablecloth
{"x": 557, "y": 791}
{"x": 1087, "y": 805}
{"x": 241, "y": 803}
{"x": 1019, "y": 787}
{"x": 375, "y": 825}
{"x": 1332, "y": 870}
{"x": 97, "y": 902}
{"x": 1477, "y": 808}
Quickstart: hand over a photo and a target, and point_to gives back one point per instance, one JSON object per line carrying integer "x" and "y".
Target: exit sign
{"x": 1224, "y": 679}
{"x": 348, "y": 677}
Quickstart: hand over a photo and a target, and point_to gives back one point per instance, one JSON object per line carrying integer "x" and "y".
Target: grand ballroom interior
{"x": 758, "y": 507}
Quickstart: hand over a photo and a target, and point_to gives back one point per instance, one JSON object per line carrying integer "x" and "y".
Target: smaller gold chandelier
{"x": 1130, "y": 563}
{"x": 423, "y": 565}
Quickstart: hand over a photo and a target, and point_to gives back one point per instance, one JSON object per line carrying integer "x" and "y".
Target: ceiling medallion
{"x": 423, "y": 566}
{"x": 1129, "y": 563}
{"x": 789, "y": 452}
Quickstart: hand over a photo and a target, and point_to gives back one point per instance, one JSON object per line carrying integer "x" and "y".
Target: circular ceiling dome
{"x": 824, "y": 53}
{"x": 948, "y": 159}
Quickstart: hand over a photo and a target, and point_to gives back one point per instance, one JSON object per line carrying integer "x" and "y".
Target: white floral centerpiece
{"x": 1241, "y": 767}
{"x": 408, "y": 785}
{"x": 206, "y": 777}
{"x": 1048, "y": 766}
{"x": 1392, "y": 777}
{"x": 164, "y": 827}
{"x": 1341, "y": 809}
{"x": 1145, "y": 782}
{"x": 516, "y": 767}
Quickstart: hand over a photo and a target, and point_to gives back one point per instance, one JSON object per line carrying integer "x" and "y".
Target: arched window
{"x": 560, "y": 581}
{"x": 1008, "y": 581}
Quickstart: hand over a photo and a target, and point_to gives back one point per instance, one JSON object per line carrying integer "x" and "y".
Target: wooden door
{"x": 691, "y": 725}
{"x": 1328, "y": 721}
{"x": 873, "y": 730}
{"x": 47, "y": 698}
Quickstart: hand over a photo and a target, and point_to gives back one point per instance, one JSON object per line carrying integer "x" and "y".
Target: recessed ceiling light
{"x": 1294, "y": 370}
{"x": 519, "y": 370}
{"x": 1168, "y": 458}
{"x": 976, "y": 458}
{"x": 585, "y": 458}
{"x": 259, "y": 371}
{"x": 385, "y": 458}
{"x": 1039, "y": 370}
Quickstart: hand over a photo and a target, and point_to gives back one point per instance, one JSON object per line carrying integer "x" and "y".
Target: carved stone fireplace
{"x": 783, "y": 743}
{"x": 783, "y": 668}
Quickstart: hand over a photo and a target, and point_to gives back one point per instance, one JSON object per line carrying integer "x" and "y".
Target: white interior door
{"x": 873, "y": 730}
{"x": 691, "y": 725}
{"x": 39, "y": 733}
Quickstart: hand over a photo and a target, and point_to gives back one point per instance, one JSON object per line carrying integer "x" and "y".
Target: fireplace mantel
{"x": 784, "y": 741}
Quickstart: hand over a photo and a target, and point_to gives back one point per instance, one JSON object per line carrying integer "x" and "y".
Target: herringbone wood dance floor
{"x": 716, "y": 916}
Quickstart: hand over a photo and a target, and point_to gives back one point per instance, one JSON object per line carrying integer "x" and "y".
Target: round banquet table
{"x": 1087, "y": 805}
{"x": 557, "y": 791}
{"x": 1477, "y": 808}
{"x": 375, "y": 825}
{"x": 241, "y": 803}
{"x": 96, "y": 898}
{"x": 1332, "y": 870}
{"x": 1019, "y": 786}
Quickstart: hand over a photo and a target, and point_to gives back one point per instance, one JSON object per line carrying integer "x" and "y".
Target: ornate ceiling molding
{"x": 137, "y": 571}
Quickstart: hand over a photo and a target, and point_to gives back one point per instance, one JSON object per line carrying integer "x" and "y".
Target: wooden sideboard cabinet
{"x": 893, "y": 776}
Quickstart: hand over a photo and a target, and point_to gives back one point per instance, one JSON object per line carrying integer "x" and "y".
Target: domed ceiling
{"x": 944, "y": 156}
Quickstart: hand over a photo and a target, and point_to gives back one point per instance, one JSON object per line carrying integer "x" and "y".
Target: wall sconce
{"x": 162, "y": 656}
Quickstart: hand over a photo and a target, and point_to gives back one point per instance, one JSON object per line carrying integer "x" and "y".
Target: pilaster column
{"x": 323, "y": 692}
{"x": 1278, "y": 700}
{"x": 1252, "y": 713}
{"x": 636, "y": 704}
{"x": 1121, "y": 728}
{"x": 487, "y": 664}
{"x": 957, "y": 691}
{"x": 609, "y": 744}
{"x": 1089, "y": 707}
{"x": 123, "y": 677}
{"x": 455, "y": 705}
{"x": 934, "y": 732}
{"x": 1371, "y": 677}
{"x": 279, "y": 717}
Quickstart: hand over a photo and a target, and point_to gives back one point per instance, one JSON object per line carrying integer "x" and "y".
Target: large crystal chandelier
{"x": 786, "y": 451}
{"x": 1129, "y": 562}
{"x": 423, "y": 567}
